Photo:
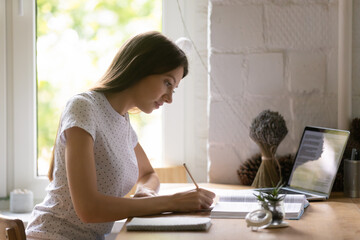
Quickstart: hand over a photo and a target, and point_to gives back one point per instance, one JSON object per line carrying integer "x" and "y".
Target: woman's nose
{"x": 168, "y": 97}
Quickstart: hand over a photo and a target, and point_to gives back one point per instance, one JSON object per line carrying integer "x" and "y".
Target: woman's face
{"x": 155, "y": 90}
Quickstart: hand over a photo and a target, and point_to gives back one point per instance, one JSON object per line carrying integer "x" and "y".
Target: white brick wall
{"x": 297, "y": 26}
{"x": 307, "y": 72}
{"x": 266, "y": 74}
{"x": 224, "y": 82}
{"x": 244, "y": 21}
{"x": 279, "y": 55}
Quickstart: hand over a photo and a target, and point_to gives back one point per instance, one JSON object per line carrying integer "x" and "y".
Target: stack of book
{"x": 238, "y": 203}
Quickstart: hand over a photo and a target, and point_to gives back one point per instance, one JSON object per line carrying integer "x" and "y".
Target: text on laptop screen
{"x": 317, "y": 160}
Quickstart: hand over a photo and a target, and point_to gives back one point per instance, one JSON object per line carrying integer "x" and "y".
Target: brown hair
{"x": 143, "y": 55}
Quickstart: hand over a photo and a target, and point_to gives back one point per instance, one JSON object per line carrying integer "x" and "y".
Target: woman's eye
{"x": 168, "y": 84}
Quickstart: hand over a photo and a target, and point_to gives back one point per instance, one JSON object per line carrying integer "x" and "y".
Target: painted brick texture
{"x": 279, "y": 55}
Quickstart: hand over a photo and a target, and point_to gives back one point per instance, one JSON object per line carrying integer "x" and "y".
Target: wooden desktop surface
{"x": 336, "y": 218}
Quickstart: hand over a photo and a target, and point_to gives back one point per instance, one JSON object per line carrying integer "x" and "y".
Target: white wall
{"x": 278, "y": 55}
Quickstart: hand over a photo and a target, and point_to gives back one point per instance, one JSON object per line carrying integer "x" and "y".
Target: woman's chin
{"x": 147, "y": 111}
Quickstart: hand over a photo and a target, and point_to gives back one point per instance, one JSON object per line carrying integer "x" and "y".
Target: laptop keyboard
{"x": 285, "y": 191}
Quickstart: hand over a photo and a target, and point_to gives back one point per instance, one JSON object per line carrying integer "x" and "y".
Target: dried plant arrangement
{"x": 248, "y": 169}
{"x": 267, "y": 130}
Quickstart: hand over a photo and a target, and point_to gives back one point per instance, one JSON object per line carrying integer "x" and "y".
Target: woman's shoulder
{"x": 84, "y": 98}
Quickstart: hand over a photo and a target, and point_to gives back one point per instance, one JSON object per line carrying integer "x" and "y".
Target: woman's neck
{"x": 121, "y": 101}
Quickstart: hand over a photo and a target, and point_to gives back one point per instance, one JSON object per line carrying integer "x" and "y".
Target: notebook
{"x": 181, "y": 223}
{"x": 316, "y": 163}
{"x": 238, "y": 203}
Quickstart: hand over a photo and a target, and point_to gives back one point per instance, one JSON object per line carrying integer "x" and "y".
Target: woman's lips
{"x": 157, "y": 105}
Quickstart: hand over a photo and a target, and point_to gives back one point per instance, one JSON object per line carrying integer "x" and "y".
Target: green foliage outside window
{"x": 76, "y": 41}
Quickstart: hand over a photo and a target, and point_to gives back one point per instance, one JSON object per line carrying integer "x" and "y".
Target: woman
{"x": 97, "y": 159}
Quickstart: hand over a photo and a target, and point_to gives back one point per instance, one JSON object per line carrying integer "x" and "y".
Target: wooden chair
{"x": 172, "y": 174}
{"x": 12, "y": 229}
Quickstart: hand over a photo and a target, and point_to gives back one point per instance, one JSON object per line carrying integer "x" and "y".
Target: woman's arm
{"x": 92, "y": 206}
{"x": 148, "y": 184}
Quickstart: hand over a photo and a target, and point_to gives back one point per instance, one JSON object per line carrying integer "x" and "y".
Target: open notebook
{"x": 238, "y": 203}
{"x": 316, "y": 163}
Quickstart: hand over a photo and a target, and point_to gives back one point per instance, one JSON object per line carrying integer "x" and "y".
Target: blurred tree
{"x": 47, "y": 114}
{"x": 93, "y": 29}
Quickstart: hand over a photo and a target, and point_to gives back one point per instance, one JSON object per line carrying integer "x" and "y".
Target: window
{"x": 18, "y": 111}
{"x": 76, "y": 41}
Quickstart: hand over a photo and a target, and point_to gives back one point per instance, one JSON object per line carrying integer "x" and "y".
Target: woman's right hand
{"x": 192, "y": 200}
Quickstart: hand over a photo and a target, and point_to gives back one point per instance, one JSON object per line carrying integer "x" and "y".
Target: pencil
{"x": 187, "y": 170}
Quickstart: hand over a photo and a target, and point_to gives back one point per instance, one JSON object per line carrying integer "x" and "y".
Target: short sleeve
{"x": 79, "y": 112}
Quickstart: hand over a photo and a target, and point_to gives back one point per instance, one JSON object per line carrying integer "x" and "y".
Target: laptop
{"x": 316, "y": 163}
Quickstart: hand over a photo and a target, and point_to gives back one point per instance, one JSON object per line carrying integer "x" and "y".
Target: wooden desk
{"x": 336, "y": 218}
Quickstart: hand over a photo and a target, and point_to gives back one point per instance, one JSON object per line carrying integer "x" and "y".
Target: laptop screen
{"x": 318, "y": 159}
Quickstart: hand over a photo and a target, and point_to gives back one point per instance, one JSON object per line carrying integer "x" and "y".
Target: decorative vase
{"x": 270, "y": 215}
{"x": 277, "y": 210}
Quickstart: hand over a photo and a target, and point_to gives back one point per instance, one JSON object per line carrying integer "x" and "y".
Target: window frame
{"x": 22, "y": 105}
{"x": 173, "y": 121}
{"x": 3, "y": 144}
{"x": 18, "y": 98}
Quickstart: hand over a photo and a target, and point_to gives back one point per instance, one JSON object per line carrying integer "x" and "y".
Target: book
{"x": 238, "y": 203}
{"x": 179, "y": 223}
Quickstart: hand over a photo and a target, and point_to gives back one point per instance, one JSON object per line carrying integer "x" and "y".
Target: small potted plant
{"x": 274, "y": 202}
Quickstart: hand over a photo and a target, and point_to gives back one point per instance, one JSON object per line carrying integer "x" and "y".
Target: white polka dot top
{"x": 116, "y": 168}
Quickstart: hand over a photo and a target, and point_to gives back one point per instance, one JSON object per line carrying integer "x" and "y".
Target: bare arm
{"x": 92, "y": 206}
{"x": 148, "y": 184}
